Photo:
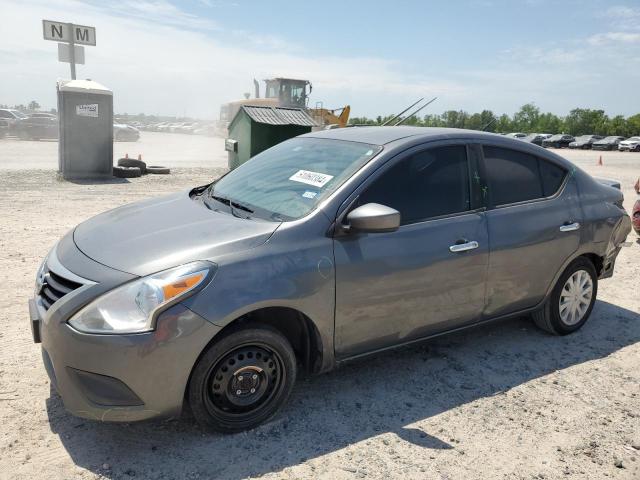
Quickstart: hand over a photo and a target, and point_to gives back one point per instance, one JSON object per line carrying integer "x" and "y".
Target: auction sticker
{"x": 90, "y": 110}
{"x": 311, "y": 178}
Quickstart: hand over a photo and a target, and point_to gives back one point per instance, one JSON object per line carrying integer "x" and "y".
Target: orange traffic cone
{"x": 600, "y": 161}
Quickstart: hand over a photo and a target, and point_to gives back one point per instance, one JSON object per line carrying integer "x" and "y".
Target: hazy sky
{"x": 170, "y": 57}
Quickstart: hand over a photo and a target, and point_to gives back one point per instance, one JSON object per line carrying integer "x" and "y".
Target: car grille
{"x": 54, "y": 287}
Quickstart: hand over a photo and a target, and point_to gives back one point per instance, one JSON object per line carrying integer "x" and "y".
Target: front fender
{"x": 290, "y": 270}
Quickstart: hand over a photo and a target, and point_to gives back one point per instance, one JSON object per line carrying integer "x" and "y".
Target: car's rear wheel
{"x": 242, "y": 380}
{"x": 571, "y": 302}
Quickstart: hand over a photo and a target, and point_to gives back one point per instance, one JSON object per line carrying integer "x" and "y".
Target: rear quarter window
{"x": 552, "y": 176}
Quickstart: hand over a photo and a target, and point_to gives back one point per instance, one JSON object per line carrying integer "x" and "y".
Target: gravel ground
{"x": 499, "y": 401}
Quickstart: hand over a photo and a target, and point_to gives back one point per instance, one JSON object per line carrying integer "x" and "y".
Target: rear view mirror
{"x": 373, "y": 218}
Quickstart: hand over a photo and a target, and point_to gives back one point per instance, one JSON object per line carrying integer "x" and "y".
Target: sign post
{"x": 72, "y": 35}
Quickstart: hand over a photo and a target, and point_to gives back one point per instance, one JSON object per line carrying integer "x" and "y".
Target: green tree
{"x": 33, "y": 105}
{"x": 549, "y": 123}
{"x": 504, "y": 124}
{"x": 585, "y": 121}
{"x": 474, "y": 122}
{"x": 633, "y": 125}
{"x": 454, "y": 118}
{"x": 618, "y": 126}
{"x": 526, "y": 119}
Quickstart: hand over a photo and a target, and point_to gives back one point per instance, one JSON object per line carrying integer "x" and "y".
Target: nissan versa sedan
{"x": 327, "y": 247}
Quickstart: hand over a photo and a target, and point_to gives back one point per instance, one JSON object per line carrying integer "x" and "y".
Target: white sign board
{"x": 64, "y": 53}
{"x": 68, "y": 33}
{"x": 90, "y": 110}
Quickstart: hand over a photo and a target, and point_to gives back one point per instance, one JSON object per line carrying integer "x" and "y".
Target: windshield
{"x": 287, "y": 181}
{"x": 557, "y": 137}
{"x": 634, "y": 139}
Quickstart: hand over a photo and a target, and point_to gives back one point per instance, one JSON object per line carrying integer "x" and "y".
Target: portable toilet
{"x": 85, "y": 113}
{"x": 256, "y": 128}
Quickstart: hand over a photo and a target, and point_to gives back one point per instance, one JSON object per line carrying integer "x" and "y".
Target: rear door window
{"x": 515, "y": 176}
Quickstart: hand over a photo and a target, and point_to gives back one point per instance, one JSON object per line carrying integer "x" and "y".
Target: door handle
{"x": 569, "y": 227}
{"x": 463, "y": 247}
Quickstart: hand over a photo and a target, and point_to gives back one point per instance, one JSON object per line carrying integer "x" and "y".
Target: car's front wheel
{"x": 570, "y": 304}
{"x": 243, "y": 379}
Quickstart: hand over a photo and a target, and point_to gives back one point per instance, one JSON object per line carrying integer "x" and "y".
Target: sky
{"x": 185, "y": 58}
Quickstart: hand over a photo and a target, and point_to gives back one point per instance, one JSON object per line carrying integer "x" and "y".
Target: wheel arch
{"x": 596, "y": 259}
{"x": 297, "y": 328}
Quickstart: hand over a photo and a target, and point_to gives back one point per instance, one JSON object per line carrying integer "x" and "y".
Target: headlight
{"x": 131, "y": 308}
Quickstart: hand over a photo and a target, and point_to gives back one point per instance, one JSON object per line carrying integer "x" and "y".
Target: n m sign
{"x": 68, "y": 33}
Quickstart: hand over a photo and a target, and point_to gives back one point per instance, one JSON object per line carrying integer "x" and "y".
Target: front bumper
{"x": 119, "y": 377}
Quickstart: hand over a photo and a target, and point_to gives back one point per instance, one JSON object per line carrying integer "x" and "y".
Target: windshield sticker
{"x": 311, "y": 178}
{"x": 309, "y": 194}
{"x": 369, "y": 152}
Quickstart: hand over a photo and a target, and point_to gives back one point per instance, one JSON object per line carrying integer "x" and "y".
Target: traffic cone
{"x": 600, "y": 161}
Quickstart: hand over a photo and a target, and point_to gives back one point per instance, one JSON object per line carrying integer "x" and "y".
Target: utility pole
{"x": 72, "y": 51}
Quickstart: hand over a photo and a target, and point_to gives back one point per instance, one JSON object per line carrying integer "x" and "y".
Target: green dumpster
{"x": 256, "y": 128}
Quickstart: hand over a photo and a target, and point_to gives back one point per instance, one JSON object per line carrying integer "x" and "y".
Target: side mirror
{"x": 373, "y": 218}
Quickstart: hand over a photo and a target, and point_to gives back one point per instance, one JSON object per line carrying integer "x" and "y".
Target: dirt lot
{"x": 501, "y": 401}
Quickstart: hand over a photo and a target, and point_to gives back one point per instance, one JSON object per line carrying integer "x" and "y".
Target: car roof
{"x": 384, "y": 135}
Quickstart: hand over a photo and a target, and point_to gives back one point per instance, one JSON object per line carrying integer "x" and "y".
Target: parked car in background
{"x": 10, "y": 117}
{"x": 310, "y": 254}
{"x": 585, "y": 141}
{"x": 560, "y": 140}
{"x": 607, "y": 143}
{"x": 631, "y": 144}
{"x": 535, "y": 138}
{"x": 37, "y": 126}
{"x": 125, "y": 133}
{"x": 516, "y": 135}
{"x": 4, "y": 127}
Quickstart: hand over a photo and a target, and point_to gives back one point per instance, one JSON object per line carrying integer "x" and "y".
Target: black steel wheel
{"x": 243, "y": 379}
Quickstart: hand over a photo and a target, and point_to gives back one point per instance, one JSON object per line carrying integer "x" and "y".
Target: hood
{"x": 160, "y": 233}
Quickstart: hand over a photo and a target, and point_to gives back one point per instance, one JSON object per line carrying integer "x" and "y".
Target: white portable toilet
{"x": 85, "y": 115}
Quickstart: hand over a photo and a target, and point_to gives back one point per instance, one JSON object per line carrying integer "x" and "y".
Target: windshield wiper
{"x": 232, "y": 205}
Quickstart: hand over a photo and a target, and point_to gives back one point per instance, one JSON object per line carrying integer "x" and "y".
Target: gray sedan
{"x": 324, "y": 248}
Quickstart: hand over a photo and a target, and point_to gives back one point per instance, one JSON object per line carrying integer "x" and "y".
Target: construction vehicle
{"x": 290, "y": 93}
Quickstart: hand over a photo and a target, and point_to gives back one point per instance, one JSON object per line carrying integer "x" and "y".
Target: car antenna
{"x": 409, "y": 116}
{"x": 488, "y": 124}
{"x": 395, "y": 117}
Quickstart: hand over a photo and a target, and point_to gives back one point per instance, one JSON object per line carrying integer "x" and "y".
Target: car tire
{"x": 242, "y": 380}
{"x": 126, "y": 172}
{"x": 158, "y": 170}
{"x": 132, "y": 162}
{"x": 558, "y": 315}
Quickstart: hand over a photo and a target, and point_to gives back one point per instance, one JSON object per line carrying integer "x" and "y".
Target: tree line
{"x": 529, "y": 119}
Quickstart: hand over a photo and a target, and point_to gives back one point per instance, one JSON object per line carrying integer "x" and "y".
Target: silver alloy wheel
{"x": 575, "y": 297}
